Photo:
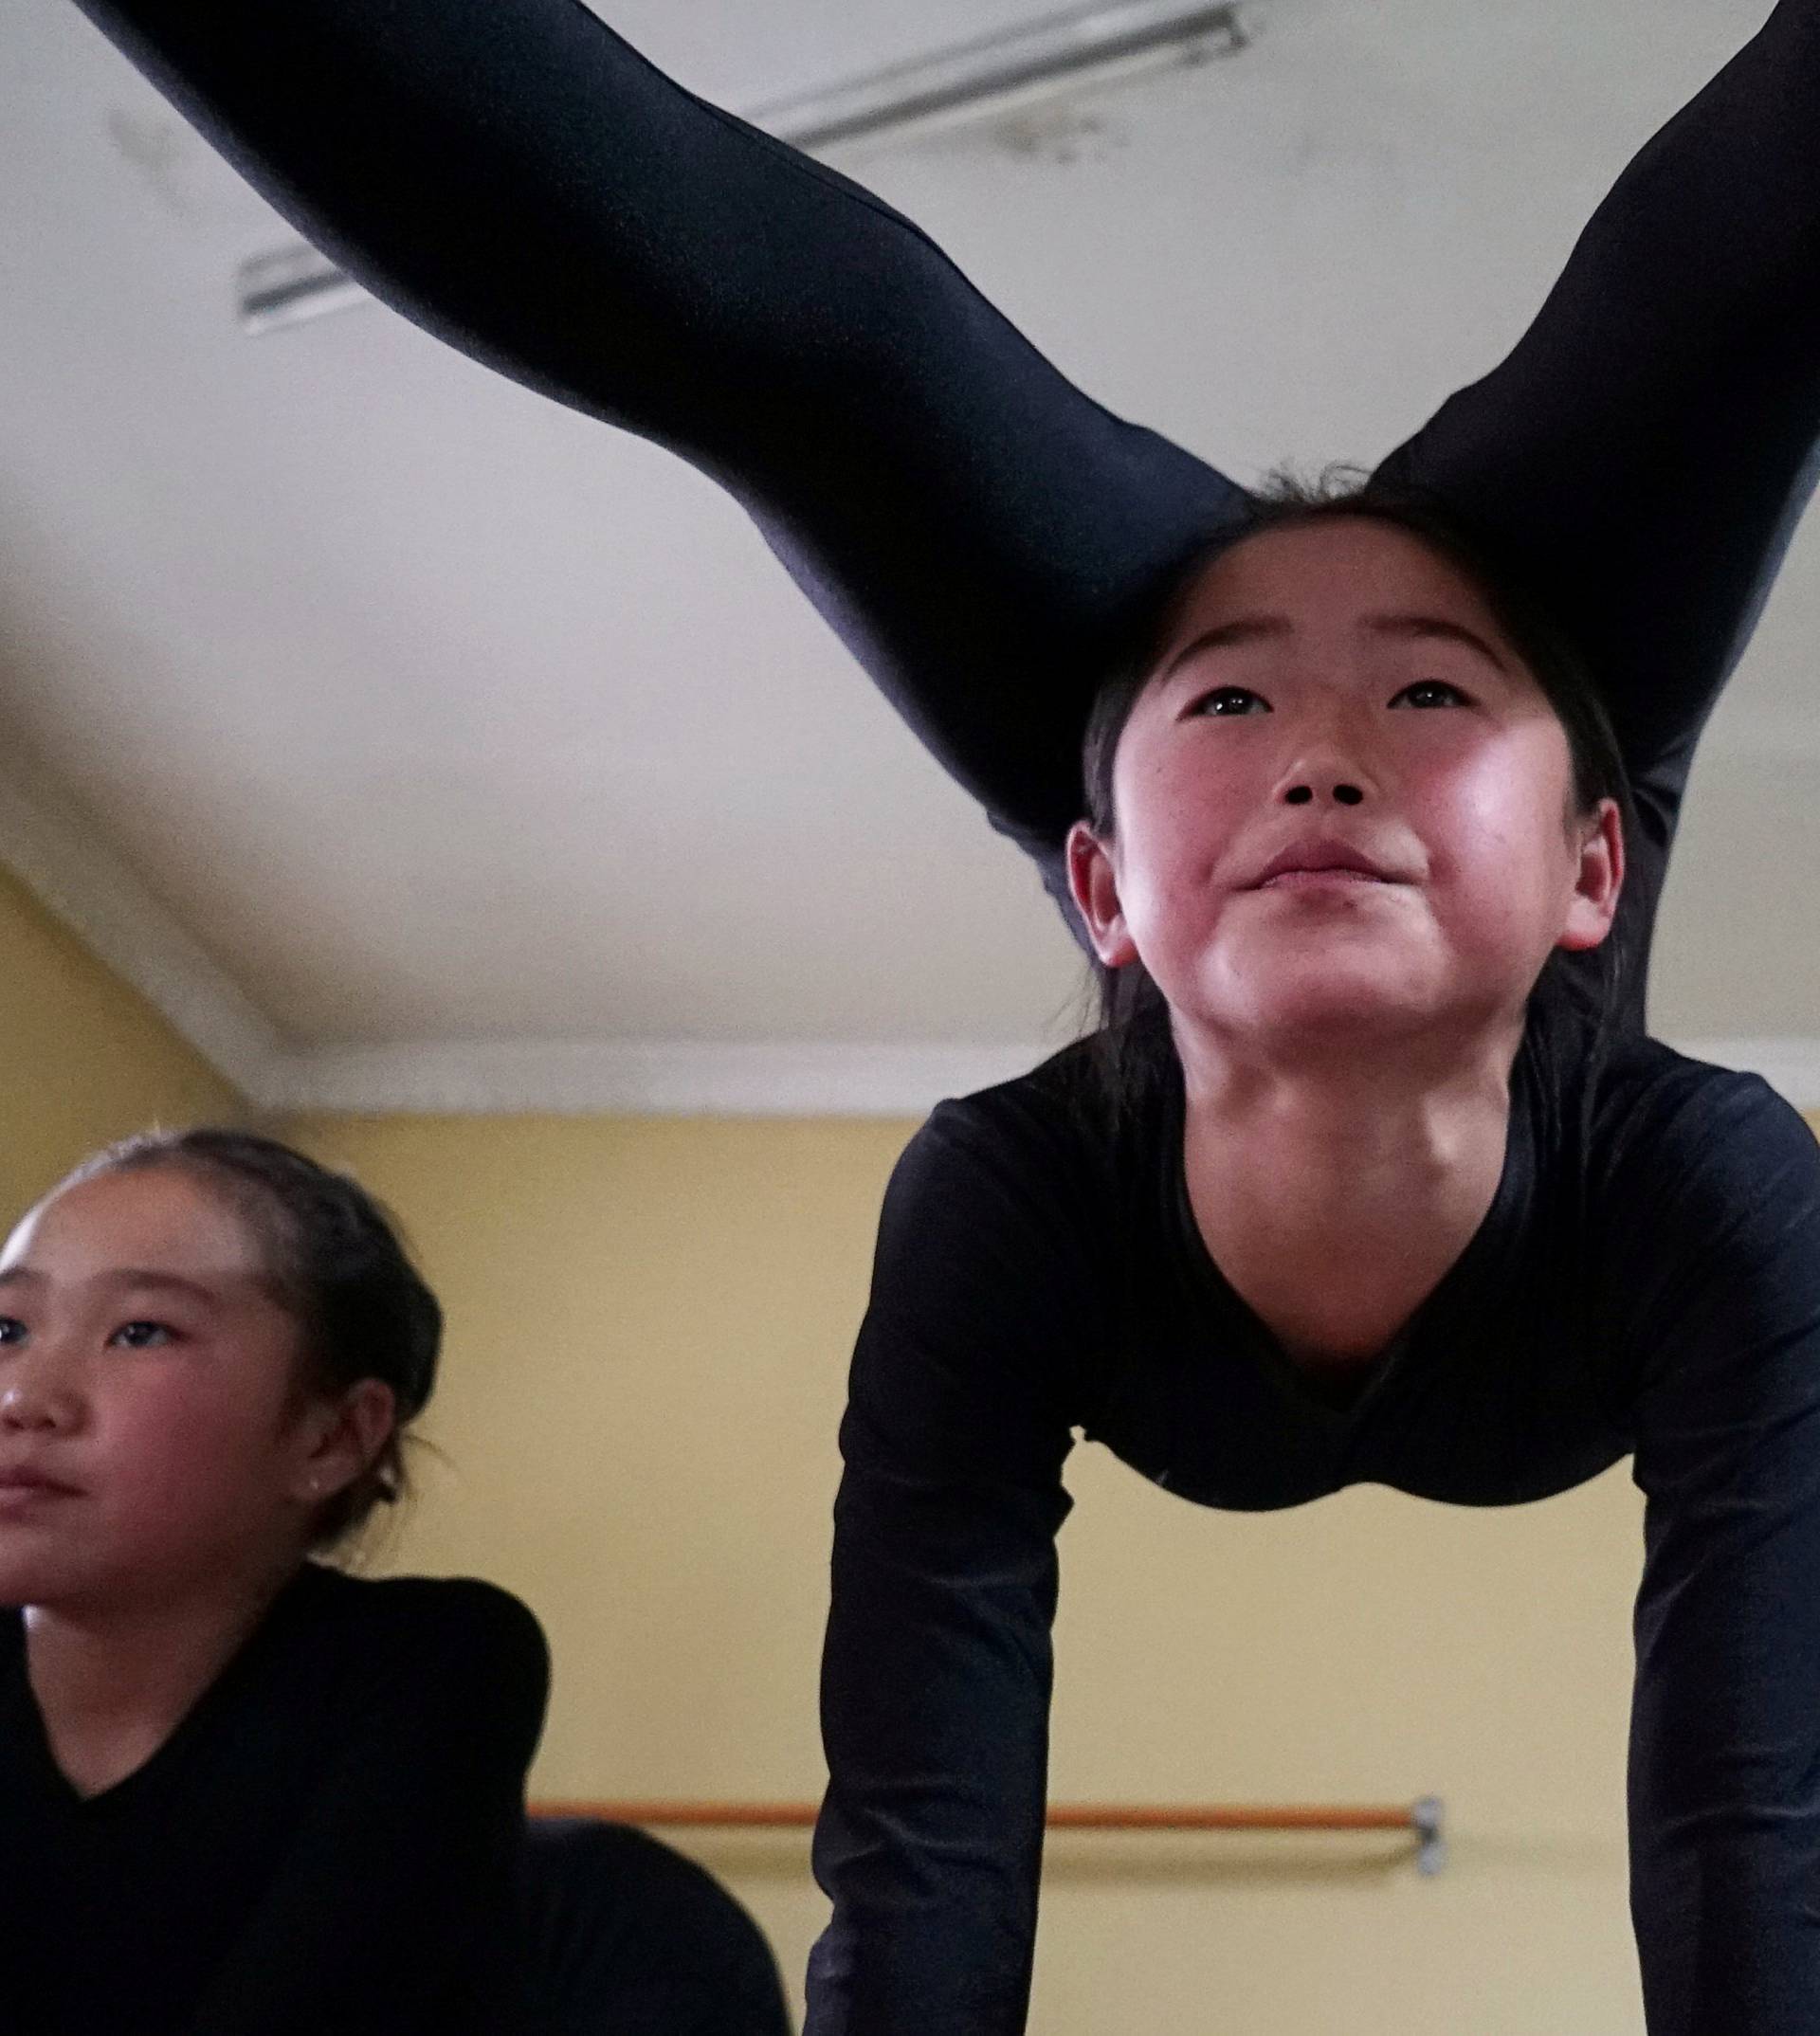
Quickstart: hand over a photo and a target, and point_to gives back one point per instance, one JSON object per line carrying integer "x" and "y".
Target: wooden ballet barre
{"x": 1422, "y": 1817}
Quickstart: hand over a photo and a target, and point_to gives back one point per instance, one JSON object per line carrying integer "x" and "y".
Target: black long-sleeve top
{"x": 983, "y": 535}
{"x": 1647, "y": 1279}
{"x": 330, "y": 1842}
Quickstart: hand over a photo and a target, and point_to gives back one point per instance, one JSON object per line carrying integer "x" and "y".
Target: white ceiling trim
{"x": 638, "y": 1078}
{"x": 80, "y": 880}
{"x": 83, "y": 883}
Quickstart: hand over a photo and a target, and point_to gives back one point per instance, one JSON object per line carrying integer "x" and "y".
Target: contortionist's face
{"x": 150, "y": 1436}
{"x": 1343, "y": 806}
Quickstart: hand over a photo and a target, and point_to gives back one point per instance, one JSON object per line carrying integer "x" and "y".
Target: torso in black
{"x": 1647, "y": 1279}
{"x": 329, "y": 1842}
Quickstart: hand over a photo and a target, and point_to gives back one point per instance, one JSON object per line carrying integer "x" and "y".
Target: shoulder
{"x": 1032, "y": 1139}
{"x": 429, "y": 1624}
{"x": 1009, "y": 1195}
{"x": 1691, "y": 1139}
{"x": 994, "y": 1278}
{"x": 1053, "y": 1105}
{"x": 1705, "y": 1196}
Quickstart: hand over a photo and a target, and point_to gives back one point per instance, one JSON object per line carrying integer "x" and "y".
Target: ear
{"x": 339, "y": 1440}
{"x": 1599, "y": 883}
{"x": 1094, "y": 886}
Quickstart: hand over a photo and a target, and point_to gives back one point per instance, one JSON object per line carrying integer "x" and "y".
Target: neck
{"x": 112, "y": 1683}
{"x": 1334, "y": 1187}
{"x": 1356, "y": 1106}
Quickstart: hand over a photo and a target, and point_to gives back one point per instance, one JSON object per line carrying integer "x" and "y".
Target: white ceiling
{"x": 433, "y": 714}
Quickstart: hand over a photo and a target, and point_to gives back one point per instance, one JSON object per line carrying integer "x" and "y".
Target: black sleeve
{"x": 1642, "y": 456}
{"x": 936, "y": 1675}
{"x": 514, "y": 178}
{"x": 395, "y": 1909}
{"x": 1724, "y": 1287}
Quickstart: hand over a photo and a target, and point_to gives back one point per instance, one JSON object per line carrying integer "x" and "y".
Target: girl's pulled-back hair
{"x": 335, "y": 1260}
{"x": 1135, "y": 1048}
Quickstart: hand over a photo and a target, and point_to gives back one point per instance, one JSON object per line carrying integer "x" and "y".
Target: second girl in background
{"x": 244, "y": 1793}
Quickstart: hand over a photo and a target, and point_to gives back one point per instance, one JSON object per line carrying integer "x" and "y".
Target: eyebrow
{"x": 129, "y": 1279}
{"x": 1268, "y": 628}
{"x": 1423, "y": 628}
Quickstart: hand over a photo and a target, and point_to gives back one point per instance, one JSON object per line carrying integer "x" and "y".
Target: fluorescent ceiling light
{"x": 960, "y": 79}
{"x": 291, "y": 285}
{"x": 297, "y": 283}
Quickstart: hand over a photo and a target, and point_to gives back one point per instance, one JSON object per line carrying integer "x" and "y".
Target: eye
{"x": 142, "y": 1335}
{"x": 12, "y": 1330}
{"x": 1230, "y": 699}
{"x": 1432, "y": 693}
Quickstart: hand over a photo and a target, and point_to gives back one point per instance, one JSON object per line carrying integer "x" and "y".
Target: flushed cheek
{"x": 1171, "y": 904}
{"x": 1177, "y": 832}
{"x": 1495, "y": 856}
{"x": 175, "y": 1466}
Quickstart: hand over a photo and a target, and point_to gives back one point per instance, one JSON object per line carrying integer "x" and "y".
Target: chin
{"x": 1312, "y": 1029}
{"x": 37, "y": 1580}
{"x": 67, "y": 1575}
{"x": 1347, "y": 994}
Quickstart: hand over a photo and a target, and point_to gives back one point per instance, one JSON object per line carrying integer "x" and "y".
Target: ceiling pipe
{"x": 297, "y": 283}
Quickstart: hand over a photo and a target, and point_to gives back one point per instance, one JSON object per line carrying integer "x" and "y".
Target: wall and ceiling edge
{"x": 87, "y": 885}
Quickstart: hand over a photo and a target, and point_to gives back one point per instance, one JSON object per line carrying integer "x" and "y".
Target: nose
{"x": 1328, "y": 765}
{"x": 1341, "y": 792}
{"x": 34, "y": 1400}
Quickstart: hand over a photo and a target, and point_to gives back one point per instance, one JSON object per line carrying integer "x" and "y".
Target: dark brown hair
{"x": 336, "y": 1262}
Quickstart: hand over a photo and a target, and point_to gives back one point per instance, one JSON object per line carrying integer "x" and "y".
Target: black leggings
{"x": 514, "y": 178}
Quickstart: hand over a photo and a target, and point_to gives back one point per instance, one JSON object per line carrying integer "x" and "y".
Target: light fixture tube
{"x": 955, "y": 80}
{"x": 297, "y": 283}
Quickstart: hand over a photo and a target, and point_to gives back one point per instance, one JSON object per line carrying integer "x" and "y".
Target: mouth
{"x": 17, "y": 1487}
{"x": 1315, "y": 863}
{"x": 1323, "y": 880}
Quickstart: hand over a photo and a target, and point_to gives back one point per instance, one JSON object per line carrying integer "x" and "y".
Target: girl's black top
{"x": 1646, "y": 1278}
{"x": 986, "y": 539}
{"x": 329, "y": 1843}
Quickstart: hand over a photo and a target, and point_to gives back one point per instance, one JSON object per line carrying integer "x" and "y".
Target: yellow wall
{"x": 82, "y": 1058}
{"x": 649, "y": 1328}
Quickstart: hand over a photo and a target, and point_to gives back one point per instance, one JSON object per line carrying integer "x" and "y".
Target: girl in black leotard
{"x": 1644, "y": 1272}
{"x": 244, "y": 1795}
